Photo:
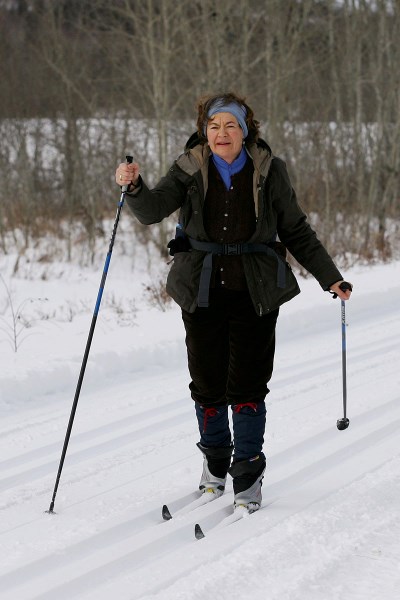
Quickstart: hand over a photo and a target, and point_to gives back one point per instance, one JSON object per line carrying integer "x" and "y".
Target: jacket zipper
{"x": 262, "y": 213}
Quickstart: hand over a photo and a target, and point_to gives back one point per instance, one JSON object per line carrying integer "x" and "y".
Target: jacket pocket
{"x": 183, "y": 279}
{"x": 262, "y": 281}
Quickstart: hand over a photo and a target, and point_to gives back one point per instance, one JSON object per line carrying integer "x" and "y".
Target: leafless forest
{"x": 85, "y": 81}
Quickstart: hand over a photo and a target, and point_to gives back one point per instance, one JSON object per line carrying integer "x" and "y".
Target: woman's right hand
{"x": 127, "y": 173}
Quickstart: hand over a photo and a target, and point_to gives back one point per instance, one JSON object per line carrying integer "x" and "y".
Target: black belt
{"x": 231, "y": 250}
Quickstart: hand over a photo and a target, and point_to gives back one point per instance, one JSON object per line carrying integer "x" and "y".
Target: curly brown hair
{"x": 205, "y": 102}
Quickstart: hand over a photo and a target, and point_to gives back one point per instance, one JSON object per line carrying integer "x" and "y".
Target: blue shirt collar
{"x": 226, "y": 170}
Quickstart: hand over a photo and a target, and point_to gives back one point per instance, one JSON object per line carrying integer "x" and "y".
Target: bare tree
{"x": 107, "y": 78}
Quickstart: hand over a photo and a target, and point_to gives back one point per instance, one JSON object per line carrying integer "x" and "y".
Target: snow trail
{"x": 329, "y": 525}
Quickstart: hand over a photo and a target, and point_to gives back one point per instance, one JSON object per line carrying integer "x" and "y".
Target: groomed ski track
{"x": 329, "y": 526}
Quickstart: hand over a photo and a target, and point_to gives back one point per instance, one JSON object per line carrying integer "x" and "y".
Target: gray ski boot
{"x": 247, "y": 480}
{"x": 215, "y": 469}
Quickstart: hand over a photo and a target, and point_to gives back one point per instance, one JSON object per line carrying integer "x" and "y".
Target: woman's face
{"x": 225, "y": 136}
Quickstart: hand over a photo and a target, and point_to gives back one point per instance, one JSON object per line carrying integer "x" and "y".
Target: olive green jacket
{"x": 277, "y": 212}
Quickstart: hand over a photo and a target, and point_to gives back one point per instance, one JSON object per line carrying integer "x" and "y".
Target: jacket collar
{"x": 197, "y": 154}
{"x": 196, "y": 157}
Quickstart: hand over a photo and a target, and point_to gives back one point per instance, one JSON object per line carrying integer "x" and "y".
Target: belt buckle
{"x": 232, "y": 249}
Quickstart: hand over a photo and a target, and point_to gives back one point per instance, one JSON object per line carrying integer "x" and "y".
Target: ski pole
{"x": 344, "y": 422}
{"x": 124, "y": 189}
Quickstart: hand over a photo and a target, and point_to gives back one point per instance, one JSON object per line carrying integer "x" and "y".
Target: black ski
{"x": 240, "y": 512}
{"x": 205, "y": 498}
{"x": 198, "y": 532}
{"x": 166, "y": 514}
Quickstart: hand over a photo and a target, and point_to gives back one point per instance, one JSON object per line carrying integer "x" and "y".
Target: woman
{"x": 230, "y": 276}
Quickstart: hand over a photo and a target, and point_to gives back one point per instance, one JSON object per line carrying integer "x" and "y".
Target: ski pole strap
{"x": 212, "y": 248}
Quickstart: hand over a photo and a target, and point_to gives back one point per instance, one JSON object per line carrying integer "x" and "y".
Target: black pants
{"x": 230, "y": 350}
{"x": 230, "y": 356}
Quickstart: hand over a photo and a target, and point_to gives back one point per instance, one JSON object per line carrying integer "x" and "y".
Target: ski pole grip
{"x": 129, "y": 159}
{"x": 345, "y": 285}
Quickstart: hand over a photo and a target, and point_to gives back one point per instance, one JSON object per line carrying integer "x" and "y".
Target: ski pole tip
{"x": 342, "y": 424}
{"x": 51, "y": 509}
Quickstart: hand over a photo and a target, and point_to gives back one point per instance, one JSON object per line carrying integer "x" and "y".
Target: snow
{"x": 329, "y": 526}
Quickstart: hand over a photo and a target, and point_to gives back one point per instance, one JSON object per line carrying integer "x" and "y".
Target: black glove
{"x": 178, "y": 244}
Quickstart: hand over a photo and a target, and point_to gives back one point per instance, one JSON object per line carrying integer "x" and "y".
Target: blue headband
{"x": 237, "y": 110}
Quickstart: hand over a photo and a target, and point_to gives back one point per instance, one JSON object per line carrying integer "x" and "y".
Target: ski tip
{"x": 198, "y": 532}
{"x": 166, "y": 515}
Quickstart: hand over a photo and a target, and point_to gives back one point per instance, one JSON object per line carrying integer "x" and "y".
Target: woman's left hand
{"x": 336, "y": 289}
